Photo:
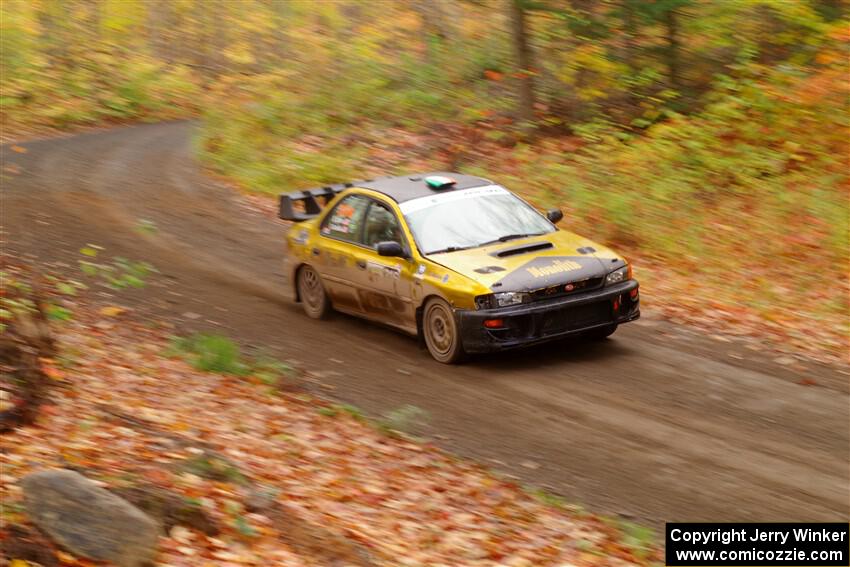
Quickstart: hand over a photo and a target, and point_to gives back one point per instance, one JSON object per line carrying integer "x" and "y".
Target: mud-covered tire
{"x": 441, "y": 332}
{"x": 311, "y": 291}
{"x": 601, "y": 333}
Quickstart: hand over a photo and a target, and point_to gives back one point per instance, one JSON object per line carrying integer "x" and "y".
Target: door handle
{"x": 361, "y": 264}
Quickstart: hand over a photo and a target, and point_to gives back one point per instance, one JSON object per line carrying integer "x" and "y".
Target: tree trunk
{"x": 671, "y": 21}
{"x": 524, "y": 61}
{"x": 435, "y": 26}
{"x": 23, "y": 343}
{"x": 630, "y": 45}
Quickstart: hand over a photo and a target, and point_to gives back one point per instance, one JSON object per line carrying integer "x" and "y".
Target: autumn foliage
{"x": 708, "y": 140}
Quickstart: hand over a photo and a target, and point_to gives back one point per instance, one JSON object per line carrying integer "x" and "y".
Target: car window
{"x": 381, "y": 226}
{"x": 471, "y": 218}
{"x": 345, "y": 221}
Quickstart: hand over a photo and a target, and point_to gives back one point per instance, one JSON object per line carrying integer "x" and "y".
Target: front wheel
{"x": 441, "y": 332}
{"x": 312, "y": 293}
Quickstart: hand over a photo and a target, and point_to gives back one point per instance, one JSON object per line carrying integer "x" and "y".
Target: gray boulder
{"x": 89, "y": 521}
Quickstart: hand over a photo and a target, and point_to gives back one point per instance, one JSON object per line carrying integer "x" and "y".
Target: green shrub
{"x": 210, "y": 353}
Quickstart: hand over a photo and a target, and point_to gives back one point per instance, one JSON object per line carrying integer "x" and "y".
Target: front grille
{"x": 568, "y": 318}
{"x": 561, "y": 290}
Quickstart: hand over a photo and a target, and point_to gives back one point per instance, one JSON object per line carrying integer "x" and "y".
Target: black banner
{"x": 763, "y": 545}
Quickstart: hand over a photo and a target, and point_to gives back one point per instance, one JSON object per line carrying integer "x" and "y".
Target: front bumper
{"x": 542, "y": 321}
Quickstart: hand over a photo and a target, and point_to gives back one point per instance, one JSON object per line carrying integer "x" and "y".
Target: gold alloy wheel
{"x": 441, "y": 334}
{"x": 312, "y": 293}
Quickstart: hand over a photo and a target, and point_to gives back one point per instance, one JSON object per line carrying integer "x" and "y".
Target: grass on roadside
{"x": 219, "y": 354}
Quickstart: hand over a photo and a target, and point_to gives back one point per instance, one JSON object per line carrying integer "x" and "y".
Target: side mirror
{"x": 554, "y": 215}
{"x": 390, "y": 248}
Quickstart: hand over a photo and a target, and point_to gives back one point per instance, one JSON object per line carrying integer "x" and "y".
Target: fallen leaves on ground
{"x": 123, "y": 413}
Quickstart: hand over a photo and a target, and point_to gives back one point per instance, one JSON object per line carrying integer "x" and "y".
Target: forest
{"x": 708, "y": 140}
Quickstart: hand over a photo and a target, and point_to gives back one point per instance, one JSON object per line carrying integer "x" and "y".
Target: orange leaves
{"x": 157, "y": 476}
{"x": 112, "y": 310}
{"x": 50, "y": 370}
{"x": 393, "y": 497}
{"x": 70, "y": 560}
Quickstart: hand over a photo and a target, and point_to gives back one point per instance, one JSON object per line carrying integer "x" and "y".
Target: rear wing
{"x": 304, "y": 205}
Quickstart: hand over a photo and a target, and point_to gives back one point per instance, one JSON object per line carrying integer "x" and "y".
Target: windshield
{"x": 470, "y": 218}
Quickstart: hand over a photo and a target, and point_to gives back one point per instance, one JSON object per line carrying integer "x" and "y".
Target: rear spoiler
{"x": 304, "y": 205}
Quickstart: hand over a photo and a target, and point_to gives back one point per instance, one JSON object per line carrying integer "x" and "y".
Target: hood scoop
{"x": 489, "y": 269}
{"x": 522, "y": 249}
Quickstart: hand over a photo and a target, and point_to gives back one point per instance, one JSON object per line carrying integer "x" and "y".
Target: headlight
{"x": 510, "y": 298}
{"x": 619, "y": 275}
{"x": 503, "y": 299}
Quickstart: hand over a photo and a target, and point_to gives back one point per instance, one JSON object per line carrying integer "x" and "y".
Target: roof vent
{"x": 439, "y": 182}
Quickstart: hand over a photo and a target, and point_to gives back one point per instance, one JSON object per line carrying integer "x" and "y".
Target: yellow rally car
{"x": 457, "y": 260}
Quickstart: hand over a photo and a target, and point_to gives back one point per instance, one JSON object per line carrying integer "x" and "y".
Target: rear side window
{"x": 345, "y": 221}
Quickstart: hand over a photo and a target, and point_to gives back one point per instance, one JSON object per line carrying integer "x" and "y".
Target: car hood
{"x": 532, "y": 263}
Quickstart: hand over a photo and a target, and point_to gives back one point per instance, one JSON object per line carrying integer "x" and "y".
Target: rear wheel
{"x": 441, "y": 332}
{"x": 314, "y": 299}
{"x": 601, "y": 333}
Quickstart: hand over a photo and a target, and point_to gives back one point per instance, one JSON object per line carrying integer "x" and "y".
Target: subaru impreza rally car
{"x": 457, "y": 260}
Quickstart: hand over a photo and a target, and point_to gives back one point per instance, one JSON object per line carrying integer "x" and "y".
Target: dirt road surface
{"x": 657, "y": 423}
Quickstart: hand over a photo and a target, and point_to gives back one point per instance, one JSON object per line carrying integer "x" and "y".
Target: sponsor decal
{"x": 345, "y": 210}
{"x": 555, "y": 272}
{"x": 339, "y": 224}
{"x": 556, "y": 267}
{"x": 445, "y": 278}
{"x": 382, "y": 270}
{"x": 424, "y": 202}
{"x": 302, "y": 237}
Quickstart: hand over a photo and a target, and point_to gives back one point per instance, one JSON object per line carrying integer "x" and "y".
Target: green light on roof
{"x": 439, "y": 181}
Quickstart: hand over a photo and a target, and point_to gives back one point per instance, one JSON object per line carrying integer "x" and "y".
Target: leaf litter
{"x": 123, "y": 412}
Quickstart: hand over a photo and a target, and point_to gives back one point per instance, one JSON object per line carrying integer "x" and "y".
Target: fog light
{"x": 494, "y": 323}
{"x": 633, "y": 293}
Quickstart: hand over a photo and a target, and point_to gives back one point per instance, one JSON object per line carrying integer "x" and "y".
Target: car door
{"x": 334, "y": 255}
{"x": 384, "y": 284}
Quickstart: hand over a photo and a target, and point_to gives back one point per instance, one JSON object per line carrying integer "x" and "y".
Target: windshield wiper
{"x": 511, "y": 237}
{"x": 450, "y": 249}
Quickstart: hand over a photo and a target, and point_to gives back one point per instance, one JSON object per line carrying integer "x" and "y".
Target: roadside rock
{"x": 89, "y": 521}
{"x": 261, "y": 498}
{"x": 168, "y": 509}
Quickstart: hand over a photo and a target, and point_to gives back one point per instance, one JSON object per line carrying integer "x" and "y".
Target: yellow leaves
{"x": 240, "y": 53}
{"x": 112, "y": 311}
{"x": 19, "y": 563}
